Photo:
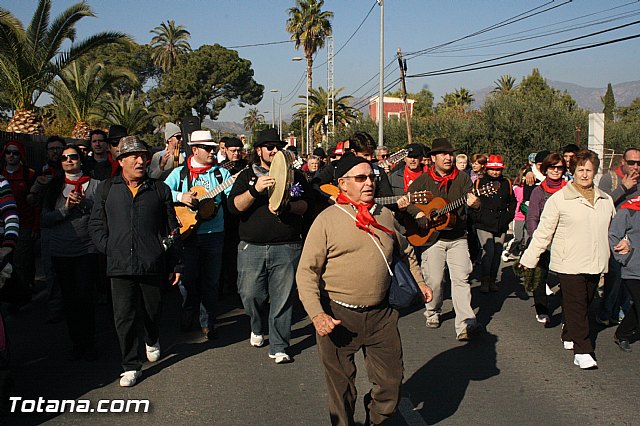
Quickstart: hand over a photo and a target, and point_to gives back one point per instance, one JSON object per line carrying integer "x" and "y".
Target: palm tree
{"x": 505, "y": 84}
{"x": 344, "y": 114}
{"x": 127, "y": 111}
{"x": 168, "y": 44}
{"x": 251, "y": 120}
{"x": 80, "y": 88}
{"x": 30, "y": 59}
{"x": 309, "y": 26}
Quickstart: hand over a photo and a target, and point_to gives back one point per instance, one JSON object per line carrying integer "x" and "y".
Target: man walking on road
{"x": 132, "y": 222}
{"x": 343, "y": 280}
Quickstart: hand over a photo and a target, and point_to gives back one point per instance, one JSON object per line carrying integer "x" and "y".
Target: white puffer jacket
{"x": 577, "y": 232}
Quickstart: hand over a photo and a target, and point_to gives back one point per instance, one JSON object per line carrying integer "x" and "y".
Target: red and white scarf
{"x": 195, "y": 171}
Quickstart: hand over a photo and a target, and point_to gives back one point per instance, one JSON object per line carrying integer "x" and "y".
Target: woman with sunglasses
{"x": 65, "y": 212}
{"x": 553, "y": 168}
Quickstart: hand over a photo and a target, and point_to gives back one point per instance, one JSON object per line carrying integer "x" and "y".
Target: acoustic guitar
{"x": 189, "y": 218}
{"x": 393, "y": 159}
{"x": 439, "y": 216}
{"x": 414, "y": 197}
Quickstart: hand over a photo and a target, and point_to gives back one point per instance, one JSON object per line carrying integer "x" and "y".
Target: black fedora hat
{"x": 441, "y": 145}
{"x": 266, "y": 136}
{"x": 116, "y": 132}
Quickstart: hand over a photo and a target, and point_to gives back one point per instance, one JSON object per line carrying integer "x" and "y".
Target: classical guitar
{"x": 439, "y": 216}
{"x": 393, "y": 159}
{"x": 414, "y": 197}
{"x": 189, "y": 218}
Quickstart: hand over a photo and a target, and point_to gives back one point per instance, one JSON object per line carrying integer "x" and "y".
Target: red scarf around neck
{"x": 114, "y": 164}
{"x": 364, "y": 217}
{"x": 442, "y": 181}
{"x": 619, "y": 172}
{"x": 77, "y": 184}
{"x": 194, "y": 172}
{"x": 410, "y": 176}
{"x": 632, "y": 204}
{"x": 552, "y": 187}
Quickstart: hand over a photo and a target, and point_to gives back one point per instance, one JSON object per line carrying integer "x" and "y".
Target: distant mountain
{"x": 587, "y": 98}
{"x": 224, "y": 126}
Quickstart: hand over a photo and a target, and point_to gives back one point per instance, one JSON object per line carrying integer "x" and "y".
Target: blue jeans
{"x": 202, "y": 264}
{"x": 267, "y": 273}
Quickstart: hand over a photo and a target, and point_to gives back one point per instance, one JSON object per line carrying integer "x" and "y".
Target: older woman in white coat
{"x": 575, "y": 221}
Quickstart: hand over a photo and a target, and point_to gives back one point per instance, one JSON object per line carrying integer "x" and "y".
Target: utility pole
{"x": 381, "y": 81}
{"x": 331, "y": 98}
{"x": 403, "y": 69}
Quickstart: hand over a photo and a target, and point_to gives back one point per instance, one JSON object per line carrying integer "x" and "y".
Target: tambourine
{"x": 282, "y": 171}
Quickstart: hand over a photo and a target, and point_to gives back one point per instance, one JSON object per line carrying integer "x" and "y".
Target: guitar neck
{"x": 385, "y": 201}
{"x": 454, "y": 205}
{"x": 218, "y": 189}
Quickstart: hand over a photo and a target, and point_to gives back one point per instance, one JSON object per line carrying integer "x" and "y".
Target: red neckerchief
{"x": 194, "y": 172}
{"x": 77, "y": 184}
{"x": 364, "y": 217}
{"x": 18, "y": 174}
{"x": 632, "y": 204}
{"x": 619, "y": 172}
{"x": 114, "y": 164}
{"x": 443, "y": 181}
{"x": 410, "y": 176}
{"x": 554, "y": 187}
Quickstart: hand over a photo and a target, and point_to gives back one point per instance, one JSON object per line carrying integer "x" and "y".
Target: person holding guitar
{"x": 448, "y": 247}
{"x": 202, "y": 248}
{"x": 402, "y": 177}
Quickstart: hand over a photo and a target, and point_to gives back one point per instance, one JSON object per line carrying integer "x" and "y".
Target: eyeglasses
{"x": 270, "y": 146}
{"x": 69, "y": 157}
{"x": 632, "y": 162}
{"x": 12, "y": 152}
{"x": 383, "y": 155}
{"x": 362, "y": 178}
{"x": 207, "y": 148}
{"x": 556, "y": 167}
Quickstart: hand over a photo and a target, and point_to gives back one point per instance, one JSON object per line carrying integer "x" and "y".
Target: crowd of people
{"x": 118, "y": 224}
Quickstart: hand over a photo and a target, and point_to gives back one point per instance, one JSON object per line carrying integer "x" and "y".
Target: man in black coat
{"x": 134, "y": 223}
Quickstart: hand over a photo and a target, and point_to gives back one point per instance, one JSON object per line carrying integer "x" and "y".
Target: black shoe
{"x": 623, "y": 344}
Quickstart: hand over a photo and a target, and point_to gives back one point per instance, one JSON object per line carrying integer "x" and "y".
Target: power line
{"x": 515, "y": 61}
{"x": 437, "y": 72}
{"x": 260, "y": 44}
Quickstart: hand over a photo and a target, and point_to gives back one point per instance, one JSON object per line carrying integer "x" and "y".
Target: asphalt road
{"x": 515, "y": 373}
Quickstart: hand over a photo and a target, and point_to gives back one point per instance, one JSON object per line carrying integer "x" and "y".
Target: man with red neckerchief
{"x": 402, "y": 177}
{"x": 202, "y": 249}
{"x": 447, "y": 247}
{"x": 343, "y": 281}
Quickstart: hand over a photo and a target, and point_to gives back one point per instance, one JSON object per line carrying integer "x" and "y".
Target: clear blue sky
{"x": 411, "y": 25}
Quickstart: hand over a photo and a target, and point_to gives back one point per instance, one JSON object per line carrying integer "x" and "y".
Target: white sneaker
{"x": 543, "y": 319}
{"x": 256, "y": 340}
{"x": 585, "y": 361}
{"x": 129, "y": 378}
{"x": 153, "y": 352}
{"x": 280, "y": 357}
{"x": 567, "y": 344}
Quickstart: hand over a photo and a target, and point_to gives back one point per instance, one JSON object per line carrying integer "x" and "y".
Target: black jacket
{"x": 496, "y": 211}
{"x": 130, "y": 230}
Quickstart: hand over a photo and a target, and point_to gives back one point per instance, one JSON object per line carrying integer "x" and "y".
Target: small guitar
{"x": 393, "y": 159}
{"x": 414, "y": 197}
{"x": 439, "y": 216}
{"x": 189, "y": 218}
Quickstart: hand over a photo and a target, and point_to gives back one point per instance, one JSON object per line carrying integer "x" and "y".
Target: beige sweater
{"x": 341, "y": 262}
{"x": 576, "y": 230}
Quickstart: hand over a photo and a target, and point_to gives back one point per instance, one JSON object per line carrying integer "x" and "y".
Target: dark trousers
{"x": 540, "y": 298}
{"x": 614, "y": 295}
{"x": 376, "y": 333}
{"x": 577, "y": 293}
{"x": 202, "y": 262}
{"x": 76, "y": 278}
{"x": 630, "y": 322}
{"x": 136, "y": 298}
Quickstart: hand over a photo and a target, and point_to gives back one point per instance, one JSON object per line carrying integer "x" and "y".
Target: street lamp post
{"x": 279, "y": 111}
{"x": 296, "y": 59}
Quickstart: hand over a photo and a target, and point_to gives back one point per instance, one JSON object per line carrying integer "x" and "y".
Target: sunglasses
{"x": 67, "y": 157}
{"x": 11, "y": 152}
{"x": 362, "y": 178}
{"x": 271, "y": 146}
{"x": 179, "y": 137}
{"x": 632, "y": 162}
{"x": 560, "y": 168}
{"x": 114, "y": 142}
{"x": 207, "y": 148}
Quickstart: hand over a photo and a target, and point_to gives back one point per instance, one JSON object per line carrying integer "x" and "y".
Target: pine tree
{"x": 609, "y": 102}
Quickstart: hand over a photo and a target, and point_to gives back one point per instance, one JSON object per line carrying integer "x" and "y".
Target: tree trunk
{"x": 81, "y": 130}
{"x": 309, "y": 86}
{"x": 25, "y": 121}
